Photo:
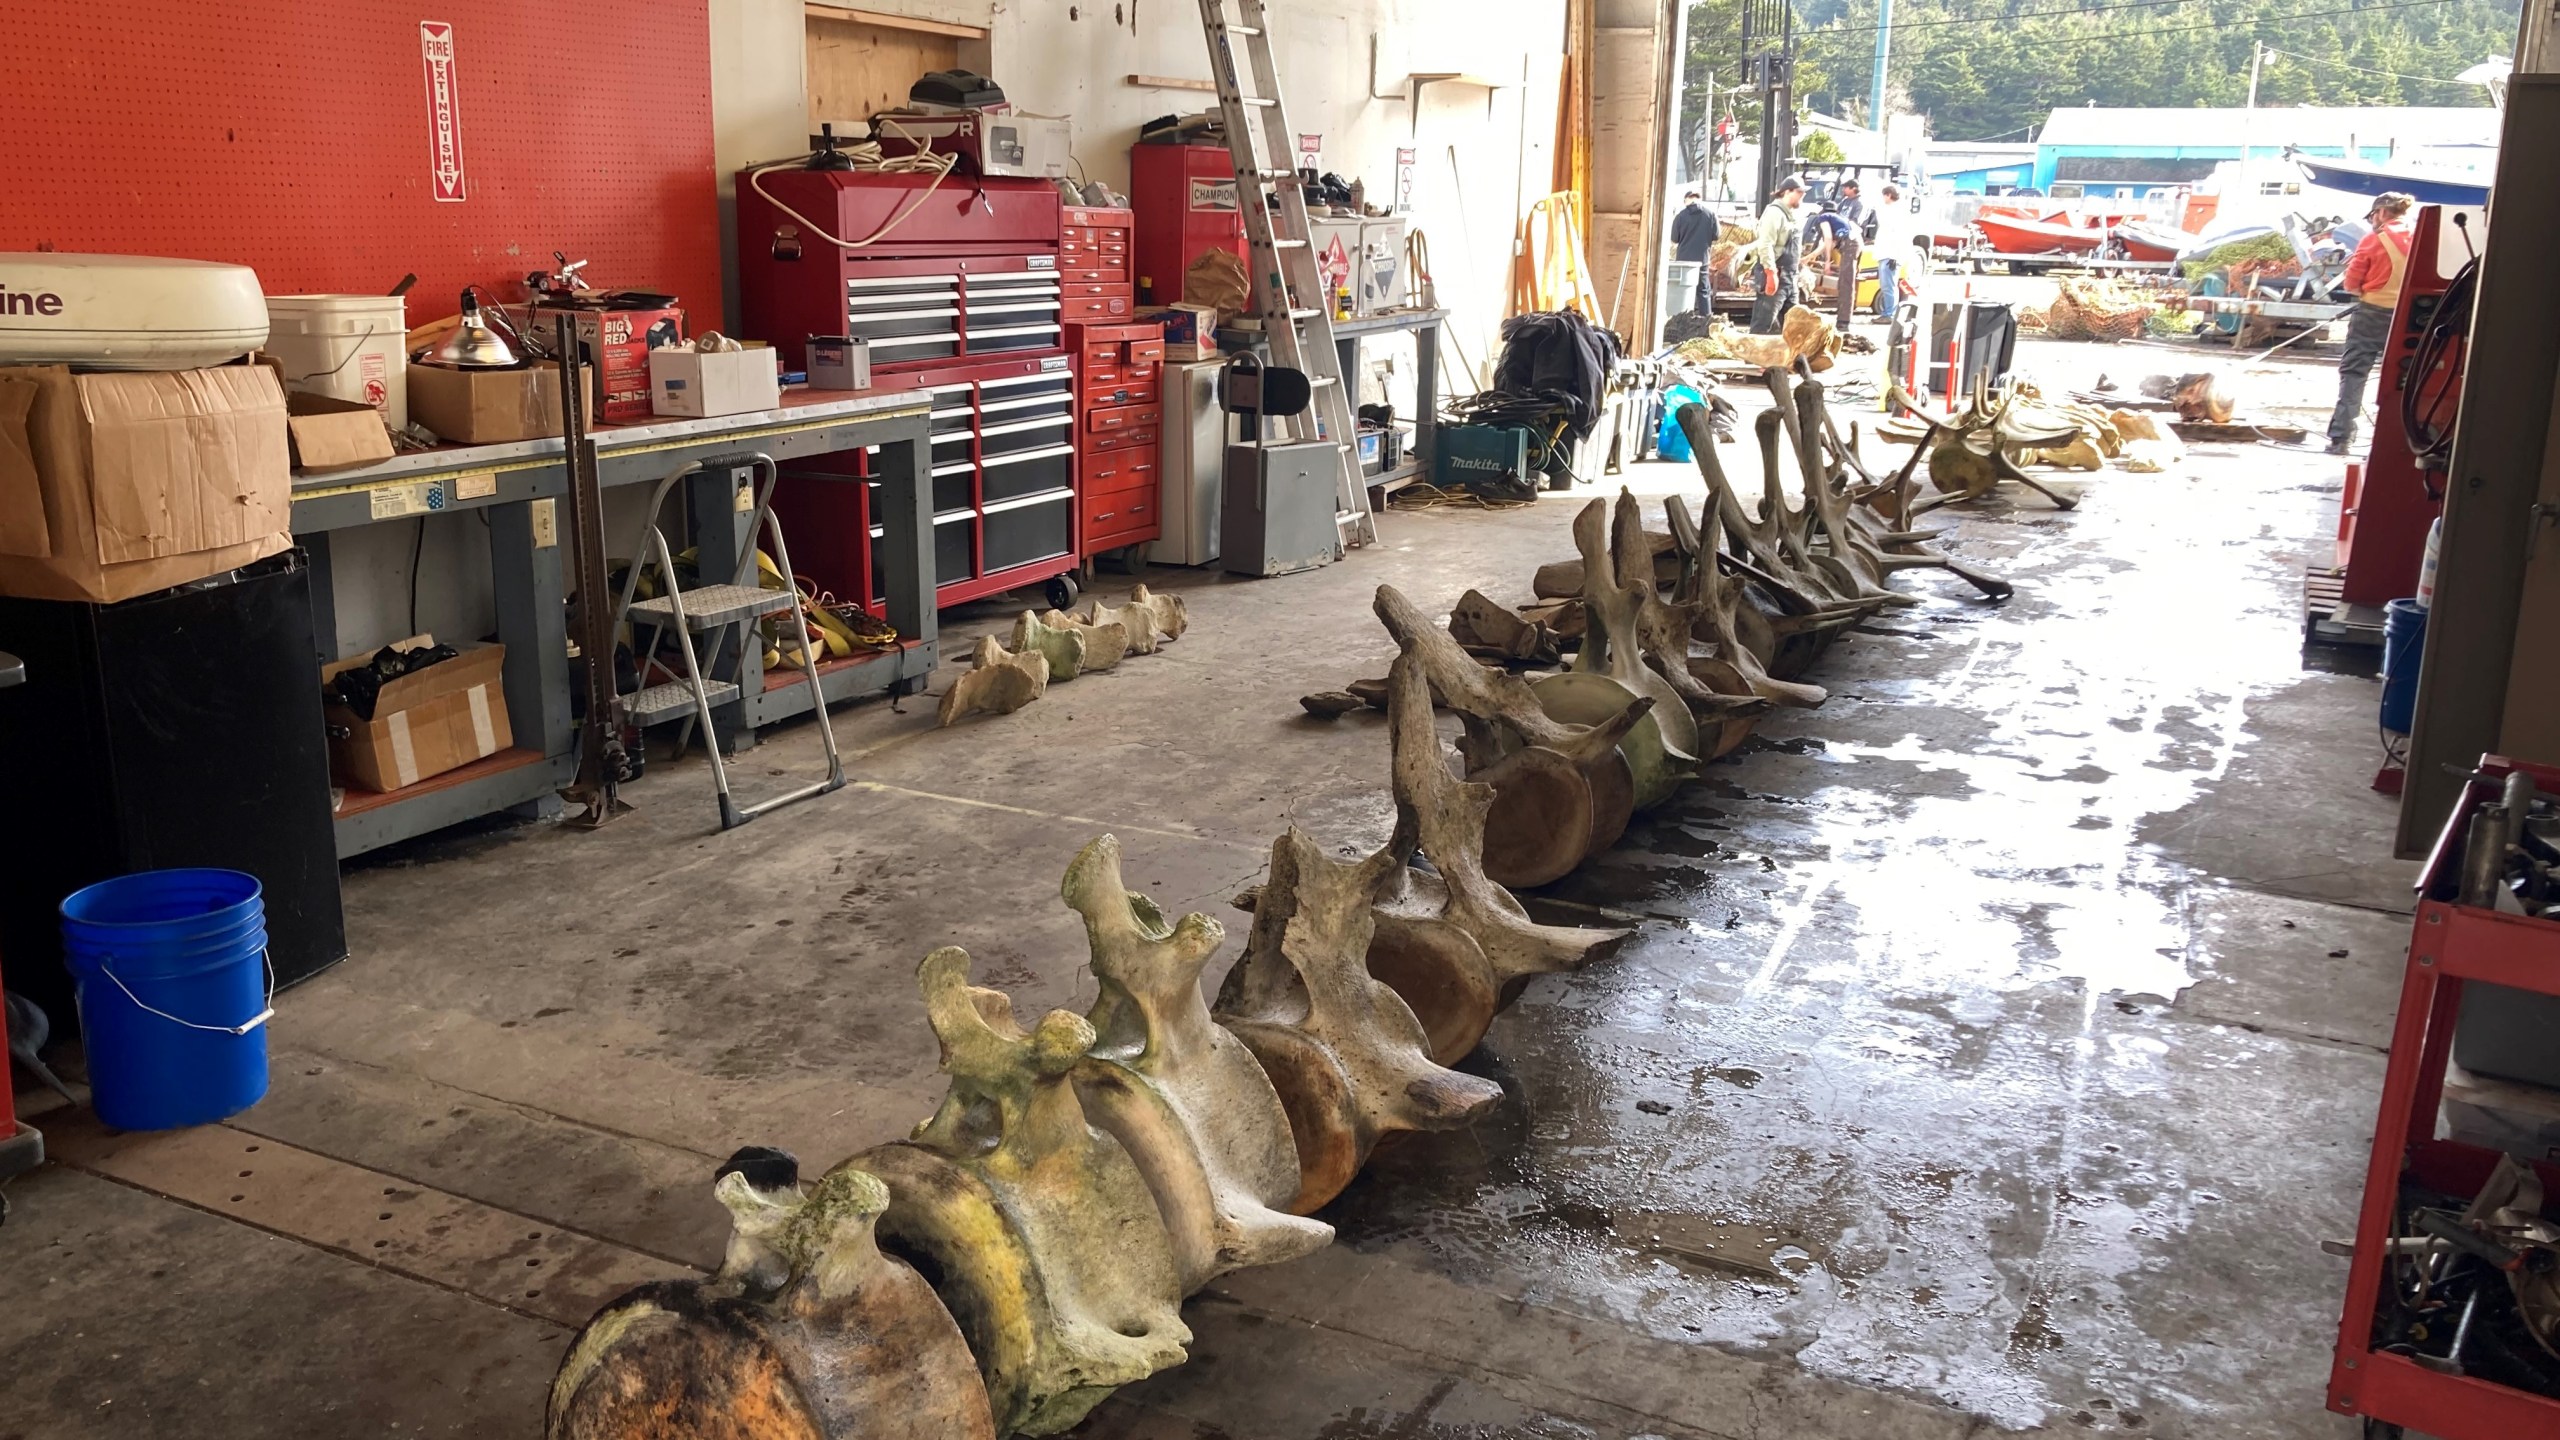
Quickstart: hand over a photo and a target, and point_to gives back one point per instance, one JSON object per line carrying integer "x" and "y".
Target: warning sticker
{"x": 444, "y": 168}
{"x": 479, "y": 484}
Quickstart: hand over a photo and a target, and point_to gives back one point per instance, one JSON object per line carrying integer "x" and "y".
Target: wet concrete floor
{"x": 1997, "y": 1043}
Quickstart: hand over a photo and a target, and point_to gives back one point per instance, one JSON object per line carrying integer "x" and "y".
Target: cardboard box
{"x": 1190, "y": 331}
{"x": 617, "y": 345}
{"x": 425, "y": 723}
{"x": 116, "y": 485}
{"x": 727, "y": 382}
{"x": 839, "y": 362}
{"x": 486, "y": 407}
{"x": 333, "y": 434}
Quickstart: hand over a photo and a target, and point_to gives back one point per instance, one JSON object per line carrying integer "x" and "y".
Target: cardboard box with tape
{"x": 424, "y": 723}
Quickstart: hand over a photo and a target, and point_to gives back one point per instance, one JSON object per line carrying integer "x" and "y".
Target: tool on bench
{"x": 728, "y": 614}
{"x": 1291, "y": 295}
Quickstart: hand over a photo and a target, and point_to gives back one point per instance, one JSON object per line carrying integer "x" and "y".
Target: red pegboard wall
{"x": 297, "y": 137}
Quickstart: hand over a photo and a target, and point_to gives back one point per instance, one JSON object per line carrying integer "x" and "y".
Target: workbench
{"x": 520, "y": 485}
{"x": 1424, "y": 326}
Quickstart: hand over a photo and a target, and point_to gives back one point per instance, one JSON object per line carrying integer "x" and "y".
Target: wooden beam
{"x": 1172, "y": 82}
{"x": 894, "y": 22}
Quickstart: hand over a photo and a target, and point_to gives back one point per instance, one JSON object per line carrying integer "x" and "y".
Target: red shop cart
{"x": 2377, "y": 1373}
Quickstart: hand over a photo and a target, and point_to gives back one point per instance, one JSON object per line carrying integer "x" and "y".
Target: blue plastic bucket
{"x": 2404, "y": 641}
{"x": 175, "y": 992}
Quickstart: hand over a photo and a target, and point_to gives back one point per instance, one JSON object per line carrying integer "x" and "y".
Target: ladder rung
{"x": 1239, "y": 29}
{"x": 1304, "y": 314}
{"x": 669, "y": 699}
{"x": 1318, "y": 382}
{"x": 1287, "y": 242}
{"x": 1268, "y": 173}
{"x": 1257, "y": 101}
{"x": 708, "y": 607}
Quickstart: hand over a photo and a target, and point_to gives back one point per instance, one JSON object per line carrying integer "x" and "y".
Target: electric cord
{"x": 2424, "y": 416}
{"x": 866, "y": 155}
{"x": 417, "y": 554}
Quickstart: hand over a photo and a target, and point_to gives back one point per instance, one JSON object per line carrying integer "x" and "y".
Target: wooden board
{"x": 856, "y": 68}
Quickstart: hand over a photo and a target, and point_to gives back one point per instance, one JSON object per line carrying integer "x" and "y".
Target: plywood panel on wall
{"x": 857, "y": 69}
{"x": 296, "y": 137}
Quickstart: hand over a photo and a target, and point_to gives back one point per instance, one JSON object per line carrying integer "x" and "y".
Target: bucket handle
{"x": 266, "y": 962}
{"x": 352, "y": 353}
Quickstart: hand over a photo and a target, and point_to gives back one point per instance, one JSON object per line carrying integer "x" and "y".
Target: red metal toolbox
{"x": 1119, "y": 421}
{"x": 1003, "y": 465}
{"x": 1185, "y": 202}
{"x": 966, "y": 268}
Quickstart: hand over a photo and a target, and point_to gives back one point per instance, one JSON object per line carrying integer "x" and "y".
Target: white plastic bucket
{"x": 346, "y": 346}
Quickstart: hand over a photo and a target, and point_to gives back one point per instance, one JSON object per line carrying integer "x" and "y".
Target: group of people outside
{"x": 1771, "y": 265}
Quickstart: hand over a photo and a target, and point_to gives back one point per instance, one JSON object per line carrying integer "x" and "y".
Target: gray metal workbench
{"x": 1424, "y": 325}
{"x": 520, "y": 485}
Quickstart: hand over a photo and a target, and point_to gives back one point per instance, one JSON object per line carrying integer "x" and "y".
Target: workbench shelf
{"x": 521, "y": 485}
{"x": 2450, "y": 945}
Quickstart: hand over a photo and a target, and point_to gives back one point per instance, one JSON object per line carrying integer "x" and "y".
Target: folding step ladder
{"x": 726, "y": 613}
{"x": 1296, "y": 309}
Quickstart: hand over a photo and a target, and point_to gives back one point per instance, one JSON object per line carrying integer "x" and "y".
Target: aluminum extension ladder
{"x": 725, "y": 612}
{"x": 1296, "y": 310}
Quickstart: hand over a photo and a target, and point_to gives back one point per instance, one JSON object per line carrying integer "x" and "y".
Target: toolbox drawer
{"x": 1143, "y": 438}
{"x": 1098, "y": 307}
{"x": 1121, "y": 417}
{"x": 1122, "y": 387}
{"x": 1029, "y": 529}
{"x": 1116, "y": 471}
{"x": 1027, "y": 472}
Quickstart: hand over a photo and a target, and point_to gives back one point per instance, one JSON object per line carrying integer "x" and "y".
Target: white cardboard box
{"x": 731, "y": 382}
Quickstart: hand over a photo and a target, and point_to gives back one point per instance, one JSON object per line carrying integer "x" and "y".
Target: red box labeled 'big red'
{"x": 616, "y": 346}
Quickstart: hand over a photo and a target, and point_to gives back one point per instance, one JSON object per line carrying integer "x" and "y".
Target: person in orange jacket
{"x": 2374, "y": 275}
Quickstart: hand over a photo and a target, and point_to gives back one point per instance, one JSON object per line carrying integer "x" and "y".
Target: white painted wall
{"x": 1482, "y": 154}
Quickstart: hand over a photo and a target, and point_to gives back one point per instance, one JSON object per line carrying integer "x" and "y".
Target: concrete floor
{"x": 1997, "y": 1045}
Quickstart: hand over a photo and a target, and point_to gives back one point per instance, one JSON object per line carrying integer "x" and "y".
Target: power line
{"x": 2366, "y": 69}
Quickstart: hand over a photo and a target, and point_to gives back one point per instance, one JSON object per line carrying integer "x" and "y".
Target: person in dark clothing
{"x": 1776, "y": 254}
{"x": 1693, "y": 238}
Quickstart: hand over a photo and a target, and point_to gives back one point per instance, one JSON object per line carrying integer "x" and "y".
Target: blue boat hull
{"x": 2374, "y": 180}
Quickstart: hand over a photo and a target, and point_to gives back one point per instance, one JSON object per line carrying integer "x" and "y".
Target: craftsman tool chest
{"x": 1003, "y": 468}
{"x": 959, "y": 288}
{"x": 964, "y": 268}
{"x": 1119, "y": 433}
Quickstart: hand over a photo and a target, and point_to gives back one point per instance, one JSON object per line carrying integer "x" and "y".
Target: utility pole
{"x": 1884, "y": 47}
{"x": 2257, "y": 54}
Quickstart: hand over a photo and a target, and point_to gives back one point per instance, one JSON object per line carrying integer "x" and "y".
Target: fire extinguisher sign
{"x": 435, "y": 39}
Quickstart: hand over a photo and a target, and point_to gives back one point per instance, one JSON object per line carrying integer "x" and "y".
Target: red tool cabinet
{"x": 1185, "y": 202}
{"x": 2450, "y": 945}
{"x": 1119, "y": 434}
{"x": 1004, "y": 486}
{"x": 959, "y": 290}
{"x": 963, "y": 269}
{"x": 1093, "y": 262}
